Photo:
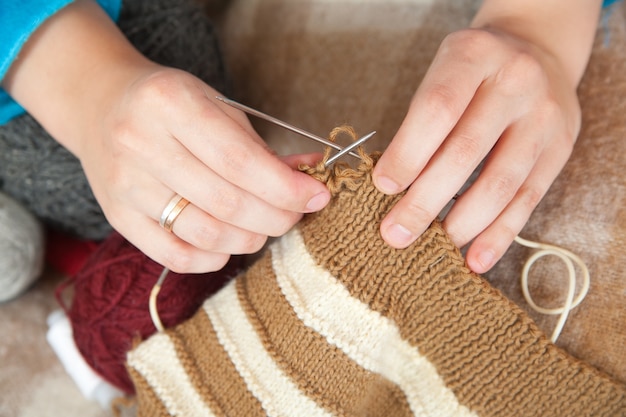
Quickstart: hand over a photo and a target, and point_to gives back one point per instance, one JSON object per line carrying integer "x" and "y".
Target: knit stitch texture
{"x": 332, "y": 321}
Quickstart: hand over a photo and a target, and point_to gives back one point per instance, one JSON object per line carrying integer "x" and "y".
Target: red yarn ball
{"x": 109, "y": 310}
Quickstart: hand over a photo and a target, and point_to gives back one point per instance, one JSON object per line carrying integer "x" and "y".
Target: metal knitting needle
{"x": 287, "y": 126}
{"x": 348, "y": 148}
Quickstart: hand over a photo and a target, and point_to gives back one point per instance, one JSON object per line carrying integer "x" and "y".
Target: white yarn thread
{"x": 569, "y": 259}
{"x": 21, "y": 248}
{"x": 152, "y": 301}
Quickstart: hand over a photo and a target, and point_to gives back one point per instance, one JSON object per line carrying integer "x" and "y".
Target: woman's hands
{"x": 505, "y": 90}
{"x": 505, "y": 95}
{"x": 145, "y": 133}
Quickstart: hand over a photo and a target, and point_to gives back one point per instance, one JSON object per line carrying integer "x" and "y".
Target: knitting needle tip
{"x": 348, "y": 148}
{"x": 280, "y": 123}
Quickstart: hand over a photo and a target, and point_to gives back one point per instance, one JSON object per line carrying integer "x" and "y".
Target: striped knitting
{"x": 332, "y": 321}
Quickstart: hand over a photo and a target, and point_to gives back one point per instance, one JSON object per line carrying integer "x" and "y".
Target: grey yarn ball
{"x": 21, "y": 249}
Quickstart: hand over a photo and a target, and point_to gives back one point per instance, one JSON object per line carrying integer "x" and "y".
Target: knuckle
{"x": 502, "y": 187}
{"x": 124, "y": 138}
{"x": 465, "y": 151}
{"x": 530, "y": 196}
{"x": 467, "y": 44}
{"x": 522, "y": 71}
{"x": 398, "y": 167}
{"x": 228, "y": 205}
{"x": 441, "y": 102}
{"x": 158, "y": 88}
{"x": 506, "y": 232}
{"x": 417, "y": 215}
{"x": 128, "y": 141}
{"x": 547, "y": 111}
{"x": 236, "y": 158}
{"x": 206, "y": 238}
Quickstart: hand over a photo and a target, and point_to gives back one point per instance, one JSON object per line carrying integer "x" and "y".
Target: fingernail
{"x": 485, "y": 259}
{"x": 318, "y": 202}
{"x": 399, "y": 236}
{"x": 387, "y": 185}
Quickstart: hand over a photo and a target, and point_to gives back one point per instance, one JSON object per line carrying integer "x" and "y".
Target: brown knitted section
{"x": 210, "y": 369}
{"x": 150, "y": 404}
{"x": 320, "y": 369}
{"x": 486, "y": 349}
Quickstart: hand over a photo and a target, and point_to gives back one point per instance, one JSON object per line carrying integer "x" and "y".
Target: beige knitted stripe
{"x": 371, "y": 340}
{"x": 273, "y": 388}
{"x": 486, "y": 349}
{"x": 320, "y": 369}
{"x": 210, "y": 369}
{"x": 150, "y": 404}
{"x": 158, "y": 363}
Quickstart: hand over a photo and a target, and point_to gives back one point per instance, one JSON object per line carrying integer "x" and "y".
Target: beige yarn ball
{"x": 21, "y": 248}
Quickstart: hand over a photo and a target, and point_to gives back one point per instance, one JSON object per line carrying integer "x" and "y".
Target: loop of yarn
{"x": 569, "y": 259}
{"x": 341, "y": 175}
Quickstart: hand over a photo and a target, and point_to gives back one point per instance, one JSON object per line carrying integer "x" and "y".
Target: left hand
{"x": 487, "y": 94}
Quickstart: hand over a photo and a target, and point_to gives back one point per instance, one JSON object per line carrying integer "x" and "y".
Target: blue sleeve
{"x": 609, "y": 2}
{"x": 18, "y": 21}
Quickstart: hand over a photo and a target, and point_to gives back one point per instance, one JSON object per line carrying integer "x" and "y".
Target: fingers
{"x": 491, "y": 244}
{"x": 443, "y": 96}
{"x": 228, "y": 148}
{"x": 294, "y": 161}
{"x": 507, "y": 168}
{"x": 166, "y": 136}
{"x": 218, "y": 197}
{"x": 167, "y": 249}
{"x": 485, "y": 94}
{"x": 215, "y": 237}
{"x": 468, "y": 143}
{"x": 199, "y": 242}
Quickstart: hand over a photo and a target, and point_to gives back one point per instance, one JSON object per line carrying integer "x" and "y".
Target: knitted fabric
{"x": 110, "y": 303}
{"x": 332, "y": 321}
{"x": 45, "y": 177}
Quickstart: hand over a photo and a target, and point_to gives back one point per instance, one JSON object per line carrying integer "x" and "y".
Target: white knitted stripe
{"x": 278, "y": 395}
{"x": 370, "y": 339}
{"x": 156, "y": 360}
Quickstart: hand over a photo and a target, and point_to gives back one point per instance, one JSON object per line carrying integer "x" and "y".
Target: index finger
{"x": 239, "y": 156}
{"x": 447, "y": 89}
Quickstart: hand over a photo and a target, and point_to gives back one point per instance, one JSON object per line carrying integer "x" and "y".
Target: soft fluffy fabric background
{"x": 321, "y": 63}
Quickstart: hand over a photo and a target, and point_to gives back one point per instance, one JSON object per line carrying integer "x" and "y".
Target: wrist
{"x": 70, "y": 68}
{"x": 559, "y": 32}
